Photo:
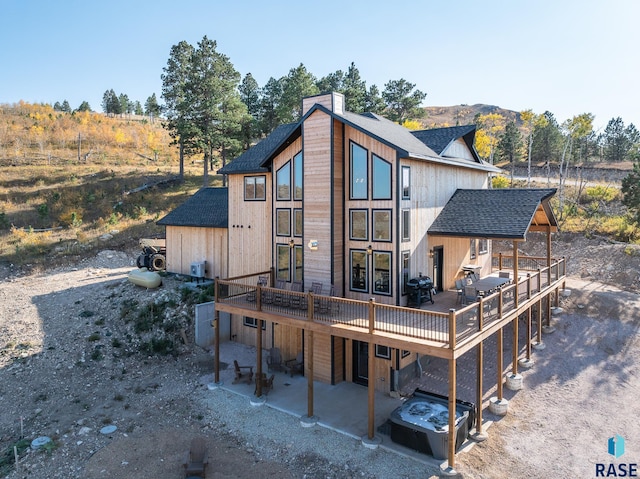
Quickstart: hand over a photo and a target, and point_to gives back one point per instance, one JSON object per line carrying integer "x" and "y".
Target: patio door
{"x": 438, "y": 263}
{"x": 360, "y": 362}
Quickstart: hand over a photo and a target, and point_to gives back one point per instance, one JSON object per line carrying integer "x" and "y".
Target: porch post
{"x": 309, "y": 373}
{"x": 479, "y": 436}
{"x": 258, "y": 377}
{"x": 216, "y": 346}
{"x": 452, "y": 413}
{"x": 515, "y": 271}
{"x": 371, "y": 384}
{"x": 500, "y": 365}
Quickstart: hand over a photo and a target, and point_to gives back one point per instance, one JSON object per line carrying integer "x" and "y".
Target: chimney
{"x": 332, "y": 101}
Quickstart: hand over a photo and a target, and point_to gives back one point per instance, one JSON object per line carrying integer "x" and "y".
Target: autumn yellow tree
{"x": 490, "y": 127}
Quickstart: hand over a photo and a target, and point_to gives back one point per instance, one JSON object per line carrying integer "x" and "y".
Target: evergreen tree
{"x": 271, "y": 96}
{"x": 402, "y": 101}
{"x": 174, "y": 80}
{"x": 618, "y": 140}
{"x": 631, "y": 188}
{"x": 373, "y": 102}
{"x": 510, "y": 145}
{"x": 355, "y": 90}
{"x": 151, "y": 107}
{"x": 250, "y": 96}
{"x": 212, "y": 105}
{"x": 84, "y": 106}
{"x": 298, "y": 84}
{"x": 110, "y": 103}
{"x": 65, "y": 107}
{"x": 57, "y": 106}
{"x": 548, "y": 145}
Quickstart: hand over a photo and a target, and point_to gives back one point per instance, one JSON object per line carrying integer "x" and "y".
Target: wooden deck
{"x": 444, "y": 329}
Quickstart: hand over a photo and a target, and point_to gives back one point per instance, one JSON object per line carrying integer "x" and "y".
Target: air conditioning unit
{"x": 198, "y": 269}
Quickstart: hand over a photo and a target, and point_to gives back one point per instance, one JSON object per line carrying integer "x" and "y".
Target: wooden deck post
{"x": 216, "y": 346}
{"x": 371, "y": 384}
{"x": 500, "y": 365}
{"x": 452, "y": 413}
{"x": 309, "y": 362}
{"x": 515, "y": 271}
{"x": 529, "y": 334}
{"x": 216, "y": 332}
{"x": 452, "y": 328}
{"x": 479, "y": 386}
{"x": 539, "y": 323}
{"x": 514, "y": 366}
{"x": 259, "y": 358}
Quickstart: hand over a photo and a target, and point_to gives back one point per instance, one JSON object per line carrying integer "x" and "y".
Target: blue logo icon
{"x": 616, "y": 445}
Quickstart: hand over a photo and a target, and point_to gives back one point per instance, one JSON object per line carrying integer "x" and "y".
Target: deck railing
{"x": 444, "y": 328}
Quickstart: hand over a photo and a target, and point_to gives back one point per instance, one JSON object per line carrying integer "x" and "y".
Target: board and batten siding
{"x": 388, "y": 154}
{"x": 317, "y": 198}
{"x": 250, "y": 227}
{"x": 339, "y": 259}
{"x": 432, "y": 185}
{"x": 458, "y": 149}
{"x": 456, "y": 253}
{"x": 190, "y": 244}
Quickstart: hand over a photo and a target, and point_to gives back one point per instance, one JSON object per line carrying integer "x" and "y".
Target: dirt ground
{"x": 69, "y": 367}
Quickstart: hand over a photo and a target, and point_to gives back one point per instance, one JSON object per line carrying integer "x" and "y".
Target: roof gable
{"x": 500, "y": 213}
{"x": 440, "y": 139}
{"x": 207, "y": 208}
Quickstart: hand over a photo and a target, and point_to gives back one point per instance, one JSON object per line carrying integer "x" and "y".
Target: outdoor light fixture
{"x": 369, "y": 249}
{"x": 431, "y": 253}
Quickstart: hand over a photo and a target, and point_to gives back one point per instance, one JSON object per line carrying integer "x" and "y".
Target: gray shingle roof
{"x": 207, "y": 208}
{"x": 500, "y": 213}
{"x": 389, "y": 132}
{"x": 438, "y": 139}
{"x": 251, "y": 160}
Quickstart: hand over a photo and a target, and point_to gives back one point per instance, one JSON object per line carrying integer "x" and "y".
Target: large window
{"x": 381, "y": 179}
{"x": 382, "y": 272}
{"x": 359, "y": 270}
{"x": 359, "y": 172}
{"x": 254, "y": 188}
{"x": 283, "y": 222}
{"x": 406, "y": 183}
{"x": 297, "y": 222}
{"x": 297, "y": 177}
{"x": 297, "y": 270}
{"x": 406, "y": 270}
{"x": 283, "y": 182}
{"x": 406, "y": 225}
{"x": 483, "y": 246}
{"x": 381, "y": 225}
{"x": 253, "y": 323}
{"x": 283, "y": 262}
{"x": 359, "y": 225}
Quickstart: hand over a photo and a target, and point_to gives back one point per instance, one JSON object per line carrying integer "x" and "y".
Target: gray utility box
{"x": 198, "y": 269}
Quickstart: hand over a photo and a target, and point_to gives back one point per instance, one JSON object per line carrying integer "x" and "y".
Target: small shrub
{"x": 97, "y": 355}
{"x": 500, "y": 182}
{"x": 86, "y": 314}
{"x": 600, "y": 193}
{"x": 116, "y": 343}
{"x": 94, "y": 337}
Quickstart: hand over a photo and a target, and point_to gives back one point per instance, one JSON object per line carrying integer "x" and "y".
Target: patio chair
{"x": 274, "y": 360}
{"x": 470, "y": 294}
{"x": 267, "y": 384}
{"x": 316, "y": 287}
{"x": 196, "y": 461}
{"x": 295, "y": 365}
{"x": 324, "y": 305}
{"x": 297, "y": 301}
{"x": 460, "y": 291}
{"x": 251, "y": 295}
{"x": 242, "y": 372}
{"x": 278, "y": 297}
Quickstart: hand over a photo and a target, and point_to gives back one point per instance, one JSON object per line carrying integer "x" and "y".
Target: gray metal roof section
{"x": 500, "y": 213}
{"x": 207, "y": 208}
{"x": 438, "y": 139}
{"x": 251, "y": 160}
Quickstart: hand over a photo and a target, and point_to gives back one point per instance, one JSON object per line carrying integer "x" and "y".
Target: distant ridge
{"x": 439, "y": 116}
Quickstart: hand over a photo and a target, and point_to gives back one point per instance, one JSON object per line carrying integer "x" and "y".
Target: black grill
{"x": 419, "y": 290}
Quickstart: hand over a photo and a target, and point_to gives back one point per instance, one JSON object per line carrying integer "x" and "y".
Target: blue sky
{"x": 565, "y": 56}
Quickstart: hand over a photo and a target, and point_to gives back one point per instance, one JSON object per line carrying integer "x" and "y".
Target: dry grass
{"x": 50, "y": 213}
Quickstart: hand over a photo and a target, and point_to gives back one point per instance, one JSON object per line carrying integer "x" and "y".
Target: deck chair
{"x": 295, "y": 365}
{"x": 279, "y": 296}
{"x": 196, "y": 461}
{"x": 297, "y": 301}
{"x": 316, "y": 287}
{"x": 470, "y": 294}
{"x": 267, "y": 384}
{"x": 274, "y": 360}
{"x": 459, "y": 290}
{"x": 242, "y": 372}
